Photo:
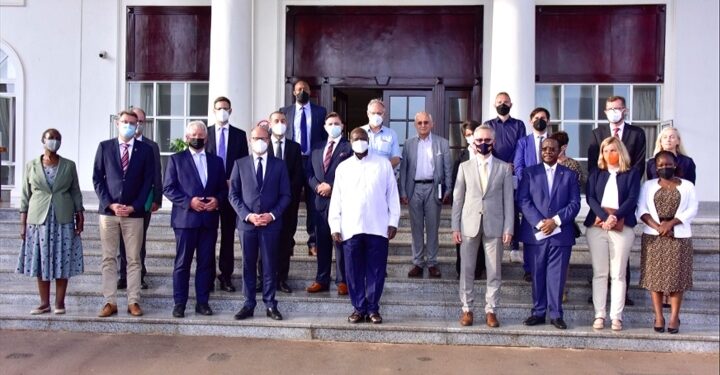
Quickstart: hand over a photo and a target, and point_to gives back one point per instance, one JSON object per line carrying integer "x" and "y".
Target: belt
{"x": 424, "y": 181}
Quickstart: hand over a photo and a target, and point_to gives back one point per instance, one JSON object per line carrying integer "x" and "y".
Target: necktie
{"x": 328, "y": 156}
{"x": 221, "y": 145}
{"x": 303, "y": 131}
{"x": 616, "y": 132}
{"x": 550, "y": 177}
{"x": 124, "y": 157}
{"x": 278, "y": 150}
{"x": 201, "y": 170}
{"x": 259, "y": 174}
{"x": 483, "y": 175}
{"x": 539, "y": 150}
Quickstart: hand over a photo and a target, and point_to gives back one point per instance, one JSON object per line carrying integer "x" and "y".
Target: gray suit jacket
{"x": 493, "y": 209}
{"x": 442, "y": 174}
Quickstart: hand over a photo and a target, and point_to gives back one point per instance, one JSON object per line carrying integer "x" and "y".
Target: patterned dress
{"x": 666, "y": 262}
{"x": 51, "y": 250}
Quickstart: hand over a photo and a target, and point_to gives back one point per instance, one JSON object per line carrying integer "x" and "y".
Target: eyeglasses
{"x": 618, "y": 109}
{"x": 422, "y": 122}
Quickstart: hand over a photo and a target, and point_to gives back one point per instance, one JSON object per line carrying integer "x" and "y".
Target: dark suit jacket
{"x": 182, "y": 183}
{"x": 237, "y": 146}
{"x": 246, "y": 198}
{"x": 628, "y": 184}
{"x": 131, "y": 188}
{"x": 525, "y": 154}
{"x": 294, "y": 164}
{"x": 633, "y": 138}
{"x": 537, "y": 203}
{"x": 157, "y": 179}
{"x": 464, "y": 156}
{"x": 316, "y": 173}
{"x": 685, "y": 168}
{"x": 317, "y": 128}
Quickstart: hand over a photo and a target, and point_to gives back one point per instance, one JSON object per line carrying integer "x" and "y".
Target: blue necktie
{"x": 259, "y": 174}
{"x": 221, "y": 146}
{"x": 303, "y": 132}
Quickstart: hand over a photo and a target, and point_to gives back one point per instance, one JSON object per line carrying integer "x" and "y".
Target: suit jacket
{"x": 628, "y": 184}
{"x": 464, "y": 156}
{"x": 37, "y": 196}
{"x": 316, "y": 173}
{"x": 633, "y": 138}
{"x": 442, "y": 173}
{"x": 182, "y": 183}
{"x": 294, "y": 164}
{"x": 317, "y": 128}
{"x": 157, "y": 188}
{"x": 537, "y": 203}
{"x": 131, "y": 188}
{"x": 525, "y": 154}
{"x": 246, "y": 198}
{"x": 237, "y": 146}
{"x": 472, "y": 207}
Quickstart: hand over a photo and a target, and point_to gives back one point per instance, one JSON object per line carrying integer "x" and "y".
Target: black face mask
{"x": 540, "y": 125}
{"x": 302, "y": 97}
{"x": 503, "y": 109}
{"x": 484, "y": 148}
{"x": 666, "y": 173}
{"x": 196, "y": 143}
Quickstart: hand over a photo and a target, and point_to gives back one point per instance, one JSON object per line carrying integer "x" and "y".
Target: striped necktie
{"x": 124, "y": 157}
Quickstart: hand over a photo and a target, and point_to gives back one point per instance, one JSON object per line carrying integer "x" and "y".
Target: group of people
{"x": 507, "y": 187}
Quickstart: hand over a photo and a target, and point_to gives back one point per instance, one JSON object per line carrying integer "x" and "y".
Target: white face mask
{"x": 360, "y": 147}
{"x": 279, "y": 129}
{"x": 222, "y": 115}
{"x": 333, "y": 131}
{"x": 614, "y": 116}
{"x": 259, "y": 146}
{"x": 375, "y": 120}
{"x": 470, "y": 139}
{"x": 52, "y": 144}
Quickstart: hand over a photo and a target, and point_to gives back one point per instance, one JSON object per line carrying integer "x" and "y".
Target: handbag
{"x": 611, "y": 211}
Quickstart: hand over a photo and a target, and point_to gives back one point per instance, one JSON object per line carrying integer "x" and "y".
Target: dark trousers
{"x": 325, "y": 246}
{"x": 549, "y": 268}
{"x": 187, "y": 242}
{"x": 479, "y": 263}
{"x": 122, "y": 260}
{"x": 311, "y": 214}
{"x": 226, "y": 258}
{"x": 366, "y": 263}
{"x": 286, "y": 241}
{"x": 259, "y": 243}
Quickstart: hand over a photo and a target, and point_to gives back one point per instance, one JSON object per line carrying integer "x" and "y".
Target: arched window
{"x": 10, "y": 81}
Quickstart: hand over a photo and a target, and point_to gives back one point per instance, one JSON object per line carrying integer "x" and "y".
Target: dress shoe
{"x": 617, "y": 325}
{"x": 415, "y": 272}
{"x": 203, "y": 309}
{"x": 179, "y": 311}
{"x": 108, "y": 310}
{"x": 312, "y": 251}
{"x": 534, "y": 320}
{"x": 434, "y": 272}
{"x": 342, "y": 289}
{"x": 661, "y": 328}
{"x": 143, "y": 284}
{"x": 629, "y": 302}
{"x": 274, "y": 313}
{"x": 375, "y": 318}
{"x": 226, "y": 286}
{"x": 59, "y": 310}
{"x": 559, "y": 323}
{"x": 122, "y": 284}
{"x": 527, "y": 277}
{"x": 40, "y": 310}
{"x": 466, "y": 318}
{"x": 675, "y": 330}
{"x": 316, "y": 287}
{"x": 134, "y": 309}
{"x": 244, "y": 313}
{"x": 284, "y": 287}
{"x": 356, "y": 317}
{"x": 491, "y": 320}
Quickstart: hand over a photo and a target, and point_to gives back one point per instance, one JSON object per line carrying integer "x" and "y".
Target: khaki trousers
{"x": 131, "y": 229}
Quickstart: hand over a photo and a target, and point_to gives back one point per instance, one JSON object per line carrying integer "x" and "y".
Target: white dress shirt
{"x": 198, "y": 160}
{"x": 365, "y": 197}
{"x": 610, "y": 195}
{"x": 424, "y": 167}
{"x": 296, "y": 123}
{"x": 131, "y": 144}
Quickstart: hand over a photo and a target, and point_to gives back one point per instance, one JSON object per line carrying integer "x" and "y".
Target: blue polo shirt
{"x": 507, "y": 135}
{"x": 385, "y": 143}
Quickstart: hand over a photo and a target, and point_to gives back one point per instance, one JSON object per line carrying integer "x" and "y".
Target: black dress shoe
{"x": 559, "y": 323}
{"x": 226, "y": 286}
{"x": 122, "y": 284}
{"x": 143, "y": 284}
{"x": 203, "y": 309}
{"x": 375, "y": 318}
{"x": 356, "y": 317}
{"x": 274, "y": 313}
{"x": 244, "y": 313}
{"x": 534, "y": 320}
{"x": 179, "y": 311}
{"x": 284, "y": 287}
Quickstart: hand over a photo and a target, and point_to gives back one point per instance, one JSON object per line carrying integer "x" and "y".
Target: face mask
{"x": 52, "y": 144}
{"x": 375, "y": 120}
{"x": 359, "y": 147}
{"x": 259, "y": 146}
{"x": 613, "y": 159}
{"x": 333, "y": 131}
{"x": 484, "y": 148}
{"x": 614, "y": 116}
{"x": 540, "y": 125}
{"x": 503, "y": 109}
{"x": 470, "y": 139}
{"x": 127, "y": 130}
{"x": 666, "y": 173}
{"x": 279, "y": 129}
{"x": 196, "y": 143}
{"x": 222, "y": 115}
{"x": 302, "y": 97}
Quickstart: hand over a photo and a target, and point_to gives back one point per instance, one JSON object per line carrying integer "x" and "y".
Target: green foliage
{"x": 177, "y": 145}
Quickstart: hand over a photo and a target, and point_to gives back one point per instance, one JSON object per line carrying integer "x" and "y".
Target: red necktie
{"x": 616, "y": 132}
{"x": 124, "y": 157}
{"x": 328, "y": 156}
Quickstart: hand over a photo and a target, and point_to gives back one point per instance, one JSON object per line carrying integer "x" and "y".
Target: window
{"x": 401, "y": 107}
{"x": 8, "y": 78}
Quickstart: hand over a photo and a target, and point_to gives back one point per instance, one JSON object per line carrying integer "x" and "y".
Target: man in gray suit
{"x": 482, "y": 213}
{"x": 425, "y": 178}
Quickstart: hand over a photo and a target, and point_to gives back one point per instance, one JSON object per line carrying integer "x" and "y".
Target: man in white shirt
{"x": 363, "y": 216}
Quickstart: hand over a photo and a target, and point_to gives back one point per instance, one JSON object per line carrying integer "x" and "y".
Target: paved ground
{"x": 30, "y": 352}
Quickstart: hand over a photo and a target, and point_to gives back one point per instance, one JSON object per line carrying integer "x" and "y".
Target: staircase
{"x": 419, "y": 311}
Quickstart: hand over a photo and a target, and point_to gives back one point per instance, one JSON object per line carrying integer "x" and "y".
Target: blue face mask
{"x": 127, "y": 130}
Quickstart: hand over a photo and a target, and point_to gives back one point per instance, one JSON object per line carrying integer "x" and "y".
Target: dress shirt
{"x": 218, "y": 128}
{"x": 274, "y": 141}
{"x": 365, "y": 197}
{"x": 507, "y": 135}
{"x": 198, "y": 160}
{"x": 424, "y": 167}
{"x": 308, "y": 124}
{"x": 130, "y": 143}
{"x": 550, "y": 171}
{"x": 610, "y": 194}
{"x": 384, "y": 142}
{"x": 264, "y": 162}
{"x": 620, "y": 132}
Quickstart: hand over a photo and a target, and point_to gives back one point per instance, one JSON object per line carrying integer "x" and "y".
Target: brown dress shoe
{"x": 312, "y": 251}
{"x": 466, "y": 319}
{"x": 491, "y": 320}
{"x": 434, "y": 272}
{"x": 316, "y": 287}
{"x": 342, "y": 289}
{"x": 134, "y": 310}
{"x": 108, "y": 310}
{"x": 415, "y": 272}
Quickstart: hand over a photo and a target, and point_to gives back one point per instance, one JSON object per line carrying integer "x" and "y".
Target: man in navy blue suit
{"x": 195, "y": 183}
{"x": 123, "y": 174}
{"x": 259, "y": 193}
{"x": 549, "y": 197}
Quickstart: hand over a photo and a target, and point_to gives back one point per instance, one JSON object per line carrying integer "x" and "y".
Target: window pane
{"x": 7, "y": 70}
{"x": 579, "y": 135}
{"x": 171, "y": 99}
{"x": 7, "y": 88}
{"x": 141, "y": 95}
{"x": 579, "y": 102}
{"x": 646, "y": 103}
{"x": 606, "y": 91}
{"x": 400, "y": 128}
{"x": 412, "y": 132}
{"x": 651, "y": 134}
{"x": 417, "y": 104}
{"x": 8, "y": 175}
{"x": 167, "y": 131}
{"x": 548, "y": 97}
{"x": 149, "y": 128}
{"x": 198, "y": 99}
{"x": 7, "y": 127}
{"x": 398, "y": 107}
{"x": 458, "y": 109}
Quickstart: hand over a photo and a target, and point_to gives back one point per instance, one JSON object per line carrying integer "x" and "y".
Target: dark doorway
{"x": 351, "y": 104}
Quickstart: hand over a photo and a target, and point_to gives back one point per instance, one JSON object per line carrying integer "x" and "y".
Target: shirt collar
{"x": 256, "y": 156}
{"x": 131, "y": 142}
{"x": 426, "y": 140}
{"x": 621, "y": 127}
{"x": 193, "y": 152}
{"x": 543, "y": 135}
{"x": 549, "y": 167}
{"x": 298, "y": 106}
